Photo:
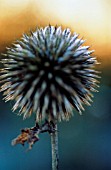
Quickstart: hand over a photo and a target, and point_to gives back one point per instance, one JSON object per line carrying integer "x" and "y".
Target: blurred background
{"x": 84, "y": 141}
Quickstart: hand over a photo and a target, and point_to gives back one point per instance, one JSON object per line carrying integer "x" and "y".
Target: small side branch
{"x": 31, "y": 135}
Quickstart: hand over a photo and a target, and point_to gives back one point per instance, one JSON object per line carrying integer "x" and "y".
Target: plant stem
{"x": 54, "y": 144}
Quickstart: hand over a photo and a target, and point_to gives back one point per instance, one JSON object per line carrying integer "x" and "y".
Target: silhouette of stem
{"x": 54, "y": 144}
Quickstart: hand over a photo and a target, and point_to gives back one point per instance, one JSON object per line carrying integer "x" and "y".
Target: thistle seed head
{"x": 49, "y": 73}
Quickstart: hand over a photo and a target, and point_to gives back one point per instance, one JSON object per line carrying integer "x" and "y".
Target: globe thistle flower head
{"x": 49, "y": 73}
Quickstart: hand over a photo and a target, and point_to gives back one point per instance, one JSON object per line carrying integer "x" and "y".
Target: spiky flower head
{"x": 49, "y": 73}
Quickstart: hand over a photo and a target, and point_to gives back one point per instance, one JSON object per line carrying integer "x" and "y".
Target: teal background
{"x": 84, "y": 141}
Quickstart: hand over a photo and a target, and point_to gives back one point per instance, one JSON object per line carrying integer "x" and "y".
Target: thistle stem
{"x": 54, "y": 144}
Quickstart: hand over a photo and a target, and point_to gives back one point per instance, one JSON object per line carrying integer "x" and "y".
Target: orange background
{"x": 91, "y": 19}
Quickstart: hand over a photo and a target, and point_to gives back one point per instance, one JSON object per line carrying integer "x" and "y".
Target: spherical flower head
{"x": 49, "y": 73}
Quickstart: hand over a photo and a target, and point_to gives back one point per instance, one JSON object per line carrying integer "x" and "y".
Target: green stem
{"x": 54, "y": 144}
